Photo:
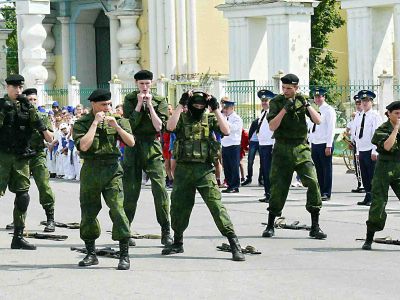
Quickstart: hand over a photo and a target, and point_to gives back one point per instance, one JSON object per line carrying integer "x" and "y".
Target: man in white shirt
{"x": 366, "y": 151}
{"x": 352, "y": 127}
{"x": 265, "y": 141}
{"x": 231, "y": 148}
{"x": 321, "y": 138}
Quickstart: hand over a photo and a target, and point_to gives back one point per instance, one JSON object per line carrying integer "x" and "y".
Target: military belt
{"x": 146, "y": 138}
{"x": 101, "y": 161}
{"x": 290, "y": 141}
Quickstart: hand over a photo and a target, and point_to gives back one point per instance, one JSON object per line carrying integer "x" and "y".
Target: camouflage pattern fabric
{"x": 40, "y": 173}
{"x": 287, "y": 158}
{"x": 291, "y": 153}
{"x": 190, "y": 177}
{"x": 386, "y": 174}
{"x": 14, "y": 173}
{"x": 145, "y": 156}
{"x": 101, "y": 174}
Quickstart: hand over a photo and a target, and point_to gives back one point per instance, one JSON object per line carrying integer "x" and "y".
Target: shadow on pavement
{"x": 332, "y": 249}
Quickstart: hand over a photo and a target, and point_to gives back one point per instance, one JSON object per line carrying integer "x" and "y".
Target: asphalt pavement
{"x": 291, "y": 265}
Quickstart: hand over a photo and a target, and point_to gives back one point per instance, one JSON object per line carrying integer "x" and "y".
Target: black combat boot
{"x": 90, "y": 258}
{"x": 315, "y": 231}
{"x": 166, "y": 238}
{"x": 176, "y": 247}
{"x": 124, "y": 263}
{"x": 18, "y": 241}
{"x": 368, "y": 240}
{"x": 237, "y": 254}
{"x": 50, "y": 227}
{"x": 269, "y": 231}
{"x": 131, "y": 242}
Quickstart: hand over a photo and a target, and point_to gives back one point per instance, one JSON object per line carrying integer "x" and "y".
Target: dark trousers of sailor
{"x": 231, "y": 162}
{"x": 323, "y": 166}
{"x": 253, "y": 149}
{"x": 367, "y": 167}
{"x": 265, "y": 162}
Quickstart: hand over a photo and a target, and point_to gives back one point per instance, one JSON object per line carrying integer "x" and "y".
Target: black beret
{"x": 143, "y": 75}
{"x": 265, "y": 94}
{"x": 100, "y": 95}
{"x": 15, "y": 79}
{"x": 393, "y": 106}
{"x": 30, "y": 91}
{"x": 290, "y": 79}
{"x": 366, "y": 94}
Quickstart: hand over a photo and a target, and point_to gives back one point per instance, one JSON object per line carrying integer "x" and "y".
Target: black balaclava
{"x": 197, "y": 98}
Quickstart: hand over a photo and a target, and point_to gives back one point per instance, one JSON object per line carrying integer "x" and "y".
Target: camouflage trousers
{"x": 40, "y": 173}
{"x": 102, "y": 177}
{"x": 386, "y": 174}
{"x": 287, "y": 158}
{"x": 190, "y": 177}
{"x": 145, "y": 156}
{"x": 14, "y": 173}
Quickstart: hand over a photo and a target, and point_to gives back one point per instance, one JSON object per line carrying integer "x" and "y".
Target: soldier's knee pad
{"x": 22, "y": 201}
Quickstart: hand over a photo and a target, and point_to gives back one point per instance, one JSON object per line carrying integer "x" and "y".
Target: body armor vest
{"x": 197, "y": 143}
{"x": 15, "y": 128}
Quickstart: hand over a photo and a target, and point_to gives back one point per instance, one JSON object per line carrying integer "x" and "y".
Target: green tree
{"x": 10, "y": 20}
{"x": 325, "y": 20}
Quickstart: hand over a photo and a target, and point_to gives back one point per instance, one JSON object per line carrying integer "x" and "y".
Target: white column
{"x": 74, "y": 96}
{"x": 359, "y": 29}
{"x": 114, "y": 45}
{"x": 161, "y": 37}
{"x": 115, "y": 89}
{"x": 171, "y": 44}
{"x": 277, "y": 82}
{"x": 161, "y": 84}
{"x": 33, "y": 35}
{"x": 129, "y": 53}
{"x": 396, "y": 15}
{"x": 192, "y": 37}
{"x": 153, "y": 44}
{"x": 291, "y": 53}
{"x": 3, "y": 53}
{"x": 181, "y": 37}
{"x": 50, "y": 61}
{"x": 65, "y": 46}
{"x": 385, "y": 94}
{"x": 219, "y": 87}
{"x": 238, "y": 48}
{"x": 43, "y": 96}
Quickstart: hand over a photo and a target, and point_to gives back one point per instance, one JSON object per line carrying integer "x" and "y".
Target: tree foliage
{"x": 325, "y": 20}
{"x": 10, "y": 20}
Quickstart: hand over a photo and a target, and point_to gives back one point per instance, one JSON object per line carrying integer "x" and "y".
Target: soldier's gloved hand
{"x": 289, "y": 104}
{"x": 213, "y": 103}
{"x": 25, "y": 104}
{"x": 305, "y": 102}
{"x": 184, "y": 99}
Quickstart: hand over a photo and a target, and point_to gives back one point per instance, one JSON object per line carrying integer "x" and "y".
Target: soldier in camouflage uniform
{"x": 37, "y": 164}
{"x": 287, "y": 118}
{"x": 95, "y": 136}
{"x": 195, "y": 150}
{"x": 18, "y": 120}
{"x": 387, "y": 171}
{"x": 148, "y": 115}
